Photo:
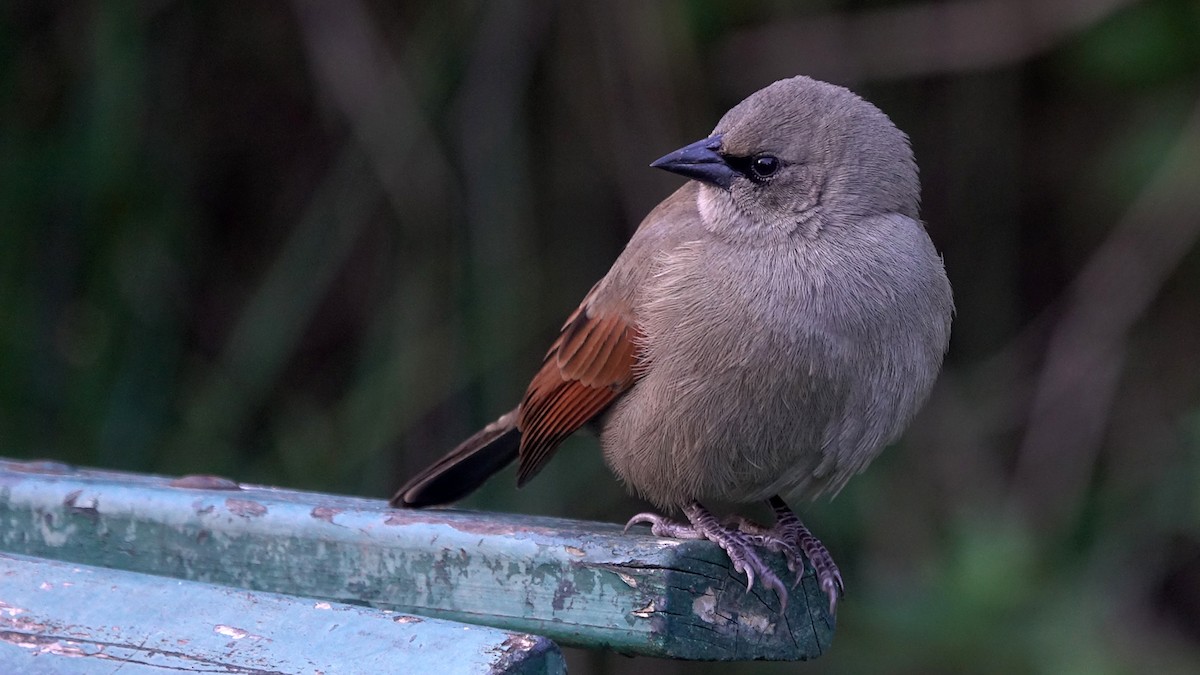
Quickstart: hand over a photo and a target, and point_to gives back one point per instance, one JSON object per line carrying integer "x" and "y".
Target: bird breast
{"x": 776, "y": 369}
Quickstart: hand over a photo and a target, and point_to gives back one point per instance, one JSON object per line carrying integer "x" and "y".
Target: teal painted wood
{"x": 578, "y": 583}
{"x": 58, "y": 617}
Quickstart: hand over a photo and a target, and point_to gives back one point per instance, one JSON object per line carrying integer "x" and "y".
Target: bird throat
{"x": 722, "y": 217}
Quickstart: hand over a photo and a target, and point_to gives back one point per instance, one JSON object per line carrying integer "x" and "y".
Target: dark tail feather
{"x": 464, "y": 468}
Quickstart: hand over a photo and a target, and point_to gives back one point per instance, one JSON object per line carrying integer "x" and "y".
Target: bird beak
{"x": 699, "y": 161}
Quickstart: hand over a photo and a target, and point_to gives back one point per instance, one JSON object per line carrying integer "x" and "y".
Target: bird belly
{"x": 729, "y": 432}
{"x": 765, "y": 387}
{"x": 735, "y": 398}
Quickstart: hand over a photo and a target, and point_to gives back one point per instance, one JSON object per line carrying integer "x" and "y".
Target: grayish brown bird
{"x": 768, "y": 329}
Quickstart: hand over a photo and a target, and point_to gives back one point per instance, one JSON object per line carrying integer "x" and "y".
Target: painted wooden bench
{"x": 576, "y": 583}
{"x": 58, "y": 617}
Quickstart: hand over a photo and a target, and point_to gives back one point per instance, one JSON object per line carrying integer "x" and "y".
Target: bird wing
{"x": 586, "y": 369}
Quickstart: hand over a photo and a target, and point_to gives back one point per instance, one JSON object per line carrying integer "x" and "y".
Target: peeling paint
{"x": 472, "y": 525}
{"x": 575, "y": 551}
{"x": 514, "y": 648}
{"x": 230, "y": 631}
{"x": 204, "y": 482}
{"x": 8, "y": 609}
{"x": 519, "y": 641}
{"x": 562, "y": 593}
{"x": 407, "y": 618}
{"x": 759, "y": 623}
{"x": 89, "y": 508}
{"x": 43, "y": 466}
{"x": 245, "y": 508}
{"x": 645, "y": 612}
{"x": 43, "y": 644}
{"x": 325, "y": 513}
{"x": 52, "y": 537}
{"x": 23, "y": 624}
{"x": 705, "y": 607}
{"x": 70, "y": 649}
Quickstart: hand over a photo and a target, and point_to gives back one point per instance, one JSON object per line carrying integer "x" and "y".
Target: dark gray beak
{"x": 699, "y": 161}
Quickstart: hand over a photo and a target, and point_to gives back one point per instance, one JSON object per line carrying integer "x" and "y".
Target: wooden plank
{"x": 58, "y": 617}
{"x": 581, "y": 584}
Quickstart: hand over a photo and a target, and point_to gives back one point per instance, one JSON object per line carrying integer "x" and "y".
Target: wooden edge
{"x": 65, "y": 617}
{"x": 578, "y": 583}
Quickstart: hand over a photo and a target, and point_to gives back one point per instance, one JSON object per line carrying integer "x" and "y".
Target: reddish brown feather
{"x": 611, "y": 332}
{"x": 586, "y": 368}
{"x": 572, "y": 413}
{"x": 574, "y": 336}
{"x": 585, "y": 351}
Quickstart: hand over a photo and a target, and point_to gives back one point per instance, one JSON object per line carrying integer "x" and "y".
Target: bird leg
{"x": 790, "y": 537}
{"x": 738, "y": 545}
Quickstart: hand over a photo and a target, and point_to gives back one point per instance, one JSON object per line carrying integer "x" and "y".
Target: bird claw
{"x": 748, "y": 571}
{"x": 772, "y": 540}
{"x": 738, "y": 545}
{"x": 642, "y": 519}
{"x": 796, "y": 543}
{"x": 738, "y": 537}
{"x": 746, "y": 560}
{"x": 794, "y": 538}
{"x": 661, "y": 526}
{"x": 833, "y": 588}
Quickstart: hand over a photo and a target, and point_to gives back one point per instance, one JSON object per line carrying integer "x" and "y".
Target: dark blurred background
{"x": 314, "y": 244}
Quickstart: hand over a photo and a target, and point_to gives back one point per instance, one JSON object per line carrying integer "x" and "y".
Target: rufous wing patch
{"x": 587, "y": 367}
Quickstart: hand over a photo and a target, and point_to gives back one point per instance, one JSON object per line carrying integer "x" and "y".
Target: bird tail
{"x": 464, "y": 468}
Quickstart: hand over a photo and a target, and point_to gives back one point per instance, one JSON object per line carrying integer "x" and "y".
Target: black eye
{"x": 763, "y": 166}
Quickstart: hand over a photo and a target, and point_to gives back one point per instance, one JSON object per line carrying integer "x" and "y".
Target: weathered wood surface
{"x": 58, "y": 617}
{"x": 581, "y": 584}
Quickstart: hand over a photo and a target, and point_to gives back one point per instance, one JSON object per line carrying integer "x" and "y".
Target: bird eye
{"x": 764, "y": 166}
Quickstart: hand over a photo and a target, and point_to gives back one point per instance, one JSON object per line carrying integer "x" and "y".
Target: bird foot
{"x": 772, "y": 539}
{"x": 738, "y": 545}
{"x": 790, "y": 537}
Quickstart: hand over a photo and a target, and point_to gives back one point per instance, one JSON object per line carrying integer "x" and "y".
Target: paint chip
{"x": 705, "y": 607}
{"x": 325, "y": 513}
{"x": 646, "y": 611}
{"x": 8, "y": 609}
{"x": 759, "y": 623}
{"x": 245, "y": 508}
{"x": 204, "y": 482}
{"x": 230, "y": 631}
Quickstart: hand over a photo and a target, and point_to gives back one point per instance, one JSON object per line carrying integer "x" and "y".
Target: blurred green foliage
{"x": 315, "y": 244}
